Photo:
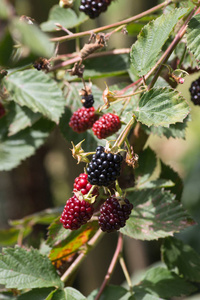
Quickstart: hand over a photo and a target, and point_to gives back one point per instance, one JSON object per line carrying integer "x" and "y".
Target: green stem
{"x": 121, "y": 138}
{"x": 125, "y": 271}
{"x": 107, "y": 27}
{"x": 74, "y": 266}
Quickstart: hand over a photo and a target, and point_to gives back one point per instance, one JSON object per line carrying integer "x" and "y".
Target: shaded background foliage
{"x": 46, "y": 179}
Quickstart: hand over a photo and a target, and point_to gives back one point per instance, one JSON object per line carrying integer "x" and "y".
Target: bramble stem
{"x": 121, "y": 138}
{"x": 125, "y": 271}
{"x": 124, "y": 22}
{"x": 91, "y": 244}
{"x": 112, "y": 266}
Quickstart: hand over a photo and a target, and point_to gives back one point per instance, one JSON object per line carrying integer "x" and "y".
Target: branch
{"x": 112, "y": 266}
{"x": 103, "y": 28}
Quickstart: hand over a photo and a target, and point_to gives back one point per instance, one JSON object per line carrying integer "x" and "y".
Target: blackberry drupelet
{"x": 195, "y": 91}
{"x": 76, "y": 213}
{"x": 93, "y": 8}
{"x": 81, "y": 184}
{"x": 87, "y": 101}
{"x": 83, "y": 119}
{"x": 114, "y": 213}
{"x": 104, "y": 168}
{"x": 107, "y": 125}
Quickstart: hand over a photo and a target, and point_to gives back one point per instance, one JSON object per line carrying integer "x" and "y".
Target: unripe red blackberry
{"x": 104, "y": 168}
{"x": 114, "y": 213}
{"x": 81, "y": 184}
{"x": 76, "y": 213}
{"x": 2, "y": 110}
{"x": 87, "y": 101}
{"x": 195, "y": 91}
{"x": 93, "y": 8}
{"x": 107, "y": 125}
{"x": 83, "y": 119}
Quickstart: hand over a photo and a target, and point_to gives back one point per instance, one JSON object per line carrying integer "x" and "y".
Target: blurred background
{"x": 46, "y": 179}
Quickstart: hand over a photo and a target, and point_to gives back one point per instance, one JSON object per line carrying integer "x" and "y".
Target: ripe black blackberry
{"x": 195, "y": 91}
{"x": 104, "y": 168}
{"x": 76, "y": 213}
{"x": 87, "y": 101}
{"x": 114, "y": 213}
{"x": 93, "y": 8}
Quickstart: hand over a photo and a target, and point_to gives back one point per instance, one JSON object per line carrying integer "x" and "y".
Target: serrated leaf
{"x": 37, "y": 91}
{"x": 163, "y": 283}
{"x": 168, "y": 173}
{"x": 177, "y": 130}
{"x": 21, "y": 269}
{"x": 146, "y": 164}
{"x": 18, "y": 147}
{"x": 178, "y": 255}
{"x": 65, "y": 17}
{"x": 35, "y": 294}
{"x": 193, "y": 36}
{"x": 68, "y": 293}
{"x": 20, "y": 118}
{"x": 156, "y": 214}
{"x": 68, "y": 243}
{"x": 161, "y": 107}
{"x": 31, "y": 36}
{"x": 146, "y": 49}
{"x": 112, "y": 292}
{"x": 106, "y": 66}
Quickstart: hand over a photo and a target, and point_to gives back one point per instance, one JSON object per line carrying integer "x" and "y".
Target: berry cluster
{"x": 76, "y": 213}
{"x": 113, "y": 214}
{"x": 81, "y": 184}
{"x": 93, "y": 8}
{"x": 104, "y": 168}
{"x": 195, "y": 91}
{"x": 107, "y": 125}
{"x": 87, "y": 101}
{"x": 83, "y": 119}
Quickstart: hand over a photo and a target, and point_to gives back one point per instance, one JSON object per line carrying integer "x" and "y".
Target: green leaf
{"x": 156, "y": 214}
{"x": 168, "y": 173}
{"x": 7, "y": 296}
{"x": 161, "y": 107}
{"x": 35, "y": 294}
{"x": 177, "y": 130}
{"x": 154, "y": 184}
{"x": 193, "y": 36}
{"x": 6, "y": 47}
{"x": 9, "y": 236}
{"x": 178, "y": 255}
{"x": 67, "y": 294}
{"x": 106, "y": 66}
{"x": 20, "y": 118}
{"x": 21, "y": 269}
{"x": 65, "y": 17}
{"x": 135, "y": 28}
{"x": 42, "y": 217}
{"x": 68, "y": 242}
{"x": 163, "y": 283}
{"x": 145, "y": 51}
{"x": 146, "y": 164}
{"x": 18, "y": 147}
{"x": 37, "y": 91}
{"x": 112, "y": 292}
{"x": 31, "y": 36}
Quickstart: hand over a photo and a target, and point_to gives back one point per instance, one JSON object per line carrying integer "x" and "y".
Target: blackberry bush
{"x": 104, "y": 168}
{"x": 114, "y": 213}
